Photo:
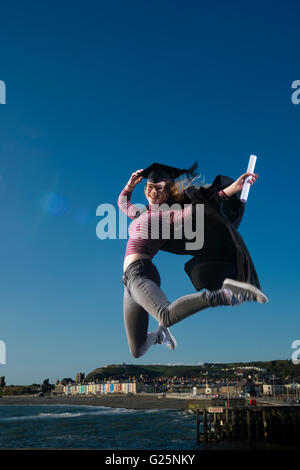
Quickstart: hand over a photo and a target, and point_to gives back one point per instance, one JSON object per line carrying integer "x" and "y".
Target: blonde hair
{"x": 177, "y": 188}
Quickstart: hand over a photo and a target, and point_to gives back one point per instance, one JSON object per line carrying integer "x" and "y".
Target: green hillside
{"x": 280, "y": 368}
{"x": 147, "y": 371}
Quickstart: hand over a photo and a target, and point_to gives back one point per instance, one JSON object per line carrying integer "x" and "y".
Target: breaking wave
{"x": 101, "y": 411}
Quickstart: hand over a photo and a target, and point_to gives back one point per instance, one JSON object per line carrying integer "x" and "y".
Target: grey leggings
{"x": 143, "y": 296}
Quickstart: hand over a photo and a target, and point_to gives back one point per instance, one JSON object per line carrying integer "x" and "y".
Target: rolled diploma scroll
{"x": 246, "y": 187}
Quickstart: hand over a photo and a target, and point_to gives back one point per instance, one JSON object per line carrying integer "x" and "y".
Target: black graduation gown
{"x": 224, "y": 253}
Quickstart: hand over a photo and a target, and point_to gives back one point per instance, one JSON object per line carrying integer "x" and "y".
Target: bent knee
{"x": 135, "y": 353}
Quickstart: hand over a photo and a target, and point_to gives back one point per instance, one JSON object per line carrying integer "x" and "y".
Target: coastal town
{"x": 247, "y": 383}
{"x": 207, "y": 380}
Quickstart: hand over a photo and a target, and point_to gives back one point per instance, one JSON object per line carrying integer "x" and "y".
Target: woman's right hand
{"x": 134, "y": 179}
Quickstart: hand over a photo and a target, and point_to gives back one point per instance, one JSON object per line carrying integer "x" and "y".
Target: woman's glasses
{"x": 158, "y": 187}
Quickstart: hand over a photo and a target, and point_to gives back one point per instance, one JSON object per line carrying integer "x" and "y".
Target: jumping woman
{"x": 142, "y": 292}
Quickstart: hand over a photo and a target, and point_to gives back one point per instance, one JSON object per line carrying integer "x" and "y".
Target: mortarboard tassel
{"x": 191, "y": 172}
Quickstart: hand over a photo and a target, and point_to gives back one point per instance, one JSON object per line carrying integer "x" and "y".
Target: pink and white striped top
{"x": 146, "y": 231}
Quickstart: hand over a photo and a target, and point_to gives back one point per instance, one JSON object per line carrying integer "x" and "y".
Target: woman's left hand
{"x": 239, "y": 183}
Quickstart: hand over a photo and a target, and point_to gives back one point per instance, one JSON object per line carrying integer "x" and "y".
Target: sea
{"x": 99, "y": 427}
{"x": 95, "y": 427}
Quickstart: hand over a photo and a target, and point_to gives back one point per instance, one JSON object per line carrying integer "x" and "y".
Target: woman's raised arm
{"x": 124, "y": 199}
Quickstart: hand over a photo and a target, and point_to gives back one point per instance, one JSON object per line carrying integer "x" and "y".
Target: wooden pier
{"x": 278, "y": 424}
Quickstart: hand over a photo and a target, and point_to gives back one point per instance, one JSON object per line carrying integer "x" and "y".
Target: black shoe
{"x": 244, "y": 292}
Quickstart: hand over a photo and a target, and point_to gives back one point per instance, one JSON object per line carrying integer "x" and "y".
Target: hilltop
{"x": 280, "y": 369}
{"x": 147, "y": 370}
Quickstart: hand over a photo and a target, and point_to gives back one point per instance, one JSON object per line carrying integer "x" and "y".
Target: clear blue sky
{"x": 96, "y": 90}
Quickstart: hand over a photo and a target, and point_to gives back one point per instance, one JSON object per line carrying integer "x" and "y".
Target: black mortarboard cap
{"x": 158, "y": 172}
